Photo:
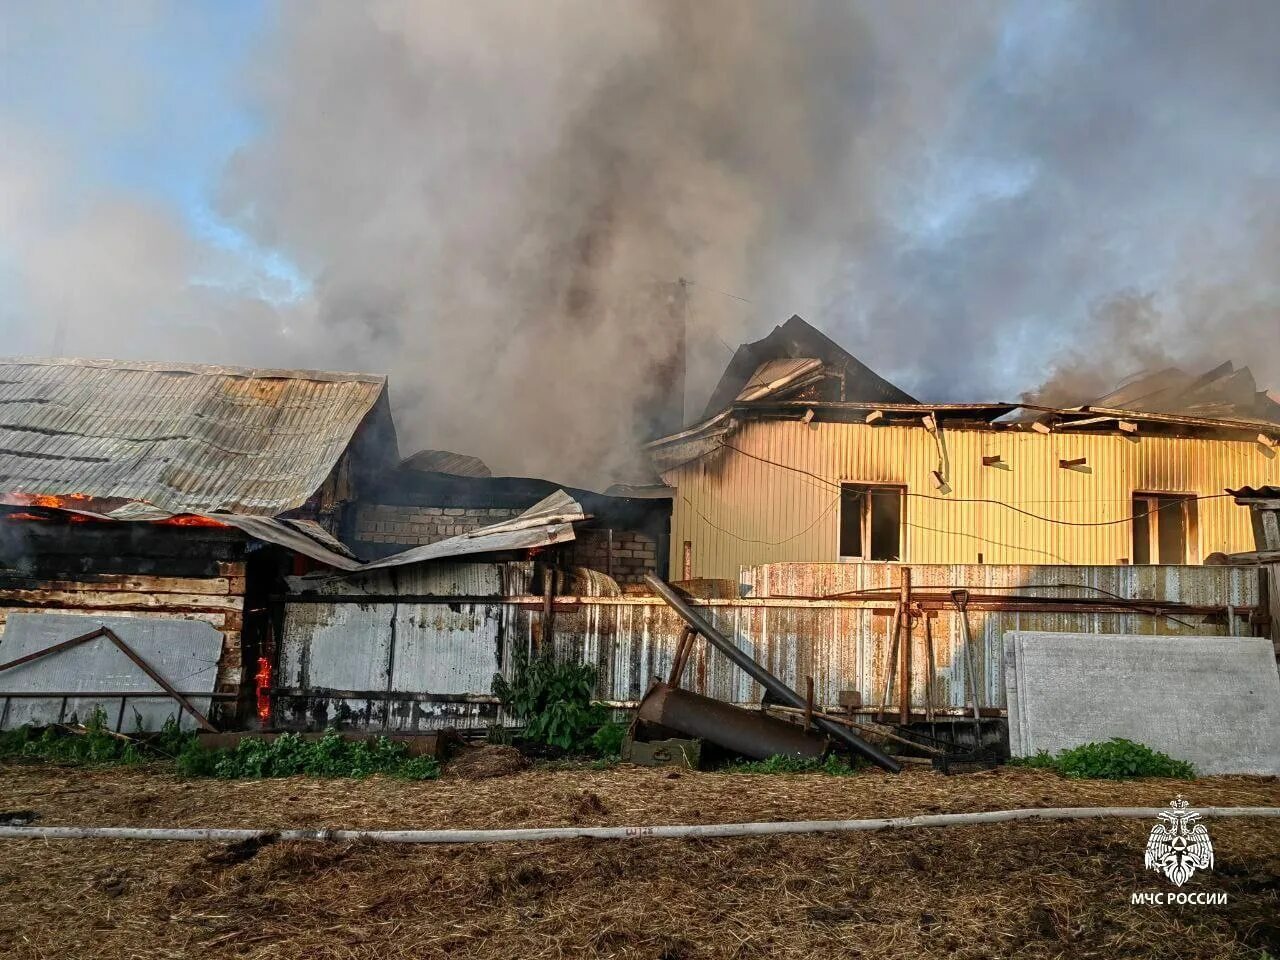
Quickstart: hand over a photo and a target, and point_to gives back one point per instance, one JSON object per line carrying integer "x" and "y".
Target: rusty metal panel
{"x": 778, "y": 500}
{"x": 451, "y": 650}
{"x": 181, "y": 437}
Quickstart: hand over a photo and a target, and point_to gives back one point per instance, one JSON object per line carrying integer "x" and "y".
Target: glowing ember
{"x": 263, "y": 684}
{"x": 189, "y": 520}
{"x": 73, "y": 501}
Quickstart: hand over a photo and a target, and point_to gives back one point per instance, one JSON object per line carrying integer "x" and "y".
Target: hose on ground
{"x": 665, "y": 832}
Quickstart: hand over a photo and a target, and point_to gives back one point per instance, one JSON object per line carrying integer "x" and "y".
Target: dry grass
{"x": 1033, "y": 890}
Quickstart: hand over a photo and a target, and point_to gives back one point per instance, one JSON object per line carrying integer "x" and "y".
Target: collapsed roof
{"x": 1224, "y": 392}
{"x": 796, "y": 372}
{"x": 797, "y": 351}
{"x": 446, "y": 462}
{"x": 184, "y": 438}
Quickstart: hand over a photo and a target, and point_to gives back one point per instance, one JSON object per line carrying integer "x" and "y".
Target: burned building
{"x": 176, "y": 492}
{"x": 436, "y": 494}
{"x": 806, "y": 455}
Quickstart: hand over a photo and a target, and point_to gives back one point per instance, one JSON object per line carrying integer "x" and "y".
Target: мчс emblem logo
{"x": 1178, "y": 846}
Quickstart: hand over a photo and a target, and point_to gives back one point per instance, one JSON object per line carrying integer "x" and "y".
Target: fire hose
{"x": 663, "y": 832}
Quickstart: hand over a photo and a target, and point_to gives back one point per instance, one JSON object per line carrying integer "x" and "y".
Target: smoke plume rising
{"x": 492, "y": 202}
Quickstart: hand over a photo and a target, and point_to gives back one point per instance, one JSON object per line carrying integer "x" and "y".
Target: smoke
{"x": 492, "y": 202}
{"x": 497, "y": 199}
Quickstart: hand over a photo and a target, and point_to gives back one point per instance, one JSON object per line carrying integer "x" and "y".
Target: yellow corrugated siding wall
{"x": 740, "y": 511}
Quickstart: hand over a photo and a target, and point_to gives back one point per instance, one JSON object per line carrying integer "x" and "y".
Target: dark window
{"x": 1164, "y": 528}
{"x": 870, "y": 522}
{"x": 852, "y": 507}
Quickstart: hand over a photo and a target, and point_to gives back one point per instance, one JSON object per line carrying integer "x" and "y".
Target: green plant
{"x": 831, "y": 765}
{"x": 95, "y": 745}
{"x": 1116, "y": 759}
{"x": 552, "y": 700}
{"x": 290, "y": 755}
{"x": 607, "y": 741}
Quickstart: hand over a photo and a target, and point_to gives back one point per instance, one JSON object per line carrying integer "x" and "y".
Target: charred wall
{"x": 55, "y": 565}
{"x": 626, "y": 538}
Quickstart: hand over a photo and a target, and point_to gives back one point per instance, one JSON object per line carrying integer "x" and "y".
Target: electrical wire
{"x": 999, "y": 503}
{"x": 768, "y": 543}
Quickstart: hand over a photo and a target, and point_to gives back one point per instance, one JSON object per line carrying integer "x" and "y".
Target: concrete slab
{"x": 1212, "y": 701}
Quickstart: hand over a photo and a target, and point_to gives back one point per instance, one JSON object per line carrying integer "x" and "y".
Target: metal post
{"x": 961, "y": 600}
{"x": 779, "y": 690}
{"x": 891, "y": 667}
{"x": 904, "y": 680}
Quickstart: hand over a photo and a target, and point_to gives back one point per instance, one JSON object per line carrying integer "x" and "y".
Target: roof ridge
{"x": 195, "y": 369}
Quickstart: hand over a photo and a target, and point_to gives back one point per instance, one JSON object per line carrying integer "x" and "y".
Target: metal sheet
{"x": 778, "y": 500}
{"x": 548, "y": 521}
{"x": 183, "y": 437}
{"x": 631, "y": 641}
{"x": 184, "y": 652}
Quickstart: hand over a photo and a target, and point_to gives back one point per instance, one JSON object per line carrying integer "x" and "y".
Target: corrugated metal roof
{"x": 184, "y": 437}
{"x": 446, "y": 461}
{"x": 547, "y": 522}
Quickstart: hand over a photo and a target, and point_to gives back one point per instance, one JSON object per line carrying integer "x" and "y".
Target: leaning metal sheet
{"x": 184, "y": 652}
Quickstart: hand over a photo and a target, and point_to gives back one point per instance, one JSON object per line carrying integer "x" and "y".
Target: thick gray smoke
{"x": 492, "y": 201}
{"x": 496, "y": 199}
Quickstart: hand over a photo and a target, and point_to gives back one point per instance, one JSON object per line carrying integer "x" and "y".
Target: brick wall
{"x": 395, "y": 528}
{"x": 413, "y": 526}
{"x": 634, "y": 554}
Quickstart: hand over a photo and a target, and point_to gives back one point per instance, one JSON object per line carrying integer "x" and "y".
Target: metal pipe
{"x": 961, "y": 600}
{"x": 748, "y": 732}
{"x": 663, "y": 832}
{"x": 778, "y": 689}
{"x": 905, "y": 638}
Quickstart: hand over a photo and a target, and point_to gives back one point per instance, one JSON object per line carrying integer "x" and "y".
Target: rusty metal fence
{"x": 418, "y": 649}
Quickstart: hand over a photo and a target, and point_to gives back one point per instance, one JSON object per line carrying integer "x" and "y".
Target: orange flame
{"x": 263, "y": 685}
{"x": 189, "y": 520}
{"x": 72, "y": 500}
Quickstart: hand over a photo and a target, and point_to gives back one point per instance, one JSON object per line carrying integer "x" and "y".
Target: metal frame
{"x": 129, "y": 652}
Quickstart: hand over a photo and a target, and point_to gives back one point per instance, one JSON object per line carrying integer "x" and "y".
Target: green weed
{"x": 831, "y": 765}
{"x": 552, "y": 700}
{"x": 1116, "y": 759}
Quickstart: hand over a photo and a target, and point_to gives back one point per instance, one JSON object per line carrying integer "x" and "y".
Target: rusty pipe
{"x": 748, "y": 732}
{"x": 779, "y": 690}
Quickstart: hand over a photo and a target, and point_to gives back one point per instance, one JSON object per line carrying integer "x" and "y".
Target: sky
{"x": 489, "y": 202}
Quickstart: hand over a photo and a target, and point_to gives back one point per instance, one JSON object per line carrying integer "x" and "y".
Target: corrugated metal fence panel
{"x": 449, "y": 651}
{"x": 184, "y": 652}
{"x": 453, "y": 650}
{"x": 778, "y": 500}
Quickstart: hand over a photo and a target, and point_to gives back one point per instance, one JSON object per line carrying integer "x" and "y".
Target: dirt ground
{"x": 1027, "y": 890}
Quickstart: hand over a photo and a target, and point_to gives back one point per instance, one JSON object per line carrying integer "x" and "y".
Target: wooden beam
{"x": 110, "y": 600}
{"x": 127, "y": 583}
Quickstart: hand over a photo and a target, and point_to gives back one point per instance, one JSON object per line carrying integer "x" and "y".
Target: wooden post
{"x": 808, "y": 703}
{"x": 904, "y": 679}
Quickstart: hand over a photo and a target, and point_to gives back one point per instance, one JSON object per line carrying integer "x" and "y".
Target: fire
{"x": 189, "y": 520}
{"x": 263, "y": 685}
{"x": 72, "y": 501}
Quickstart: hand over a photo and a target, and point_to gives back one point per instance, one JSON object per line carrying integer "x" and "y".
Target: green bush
{"x": 552, "y": 700}
{"x": 95, "y": 746}
{"x": 1117, "y": 759}
{"x": 290, "y": 755}
{"x": 287, "y": 755}
{"x": 607, "y": 741}
{"x": 831, "y": 765}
